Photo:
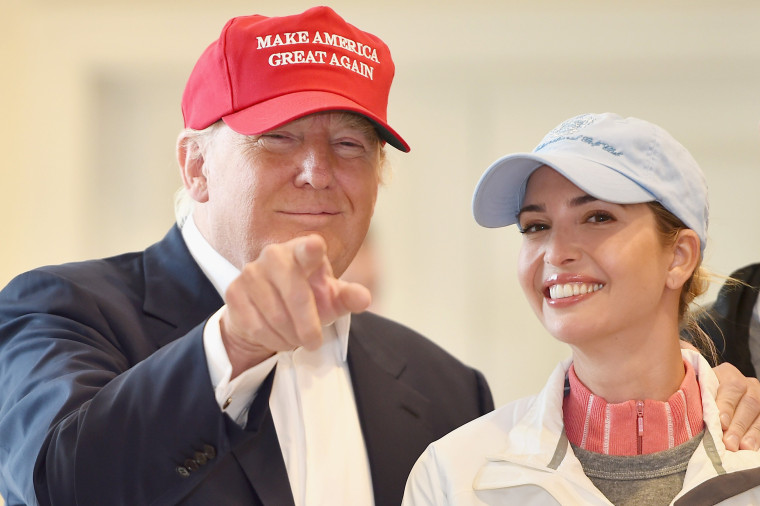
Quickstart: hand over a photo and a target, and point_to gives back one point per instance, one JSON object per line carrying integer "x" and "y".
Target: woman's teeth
{"x": 570, "y": 289}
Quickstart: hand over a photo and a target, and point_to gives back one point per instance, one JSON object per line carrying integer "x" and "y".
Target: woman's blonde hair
{"x": 669, "y": 226}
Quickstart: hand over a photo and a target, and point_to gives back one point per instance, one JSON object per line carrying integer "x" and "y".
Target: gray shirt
{"x": 650, "y": 479}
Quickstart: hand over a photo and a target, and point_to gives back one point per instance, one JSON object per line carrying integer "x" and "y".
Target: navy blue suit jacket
{"x": 106, "y": 397}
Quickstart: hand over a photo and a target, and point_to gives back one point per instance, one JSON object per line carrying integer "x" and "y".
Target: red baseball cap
{"x": 264, "y": 72}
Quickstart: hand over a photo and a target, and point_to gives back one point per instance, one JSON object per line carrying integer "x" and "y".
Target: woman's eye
{"x": 531, "y": 228}
{"x": 600, "y": 217}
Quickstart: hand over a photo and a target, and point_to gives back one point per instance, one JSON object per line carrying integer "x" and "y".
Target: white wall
{"x": 90, "y": 96}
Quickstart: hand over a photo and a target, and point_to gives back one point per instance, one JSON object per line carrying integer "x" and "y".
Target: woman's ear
{"x": 686, "y": 256}
{"x": 191, "y": 161}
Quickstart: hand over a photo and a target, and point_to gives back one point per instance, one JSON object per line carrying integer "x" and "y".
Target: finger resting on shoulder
{"x": 731, "y": 388}
{"x": 751, "y": 440}
{"x": 739, "y": 405}
{"x": 746, "y": 421}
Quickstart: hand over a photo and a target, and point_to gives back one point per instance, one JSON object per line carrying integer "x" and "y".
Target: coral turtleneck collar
{"x": 633, "y": 427}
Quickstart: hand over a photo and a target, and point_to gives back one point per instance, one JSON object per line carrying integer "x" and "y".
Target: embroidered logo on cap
{"x": 263, "y": 72}
{"x": 316, "y": 56}
{"x": 566, "y": 132}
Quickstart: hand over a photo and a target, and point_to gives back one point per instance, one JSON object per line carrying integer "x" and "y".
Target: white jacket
{"x": 519, "y": 455}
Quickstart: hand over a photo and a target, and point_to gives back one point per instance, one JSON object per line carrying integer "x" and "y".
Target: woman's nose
{"x": 561, "y": 247}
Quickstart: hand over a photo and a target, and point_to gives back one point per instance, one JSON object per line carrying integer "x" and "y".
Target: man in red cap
{"x": 223, "y": 365}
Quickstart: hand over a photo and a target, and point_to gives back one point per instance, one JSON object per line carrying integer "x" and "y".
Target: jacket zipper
{"x": 639, "y": 426}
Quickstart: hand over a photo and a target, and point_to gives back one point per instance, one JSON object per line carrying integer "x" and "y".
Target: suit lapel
{"x": 257, "y": 449}
{"x": 177, "y": 292}
{"x": 394, "y": 417}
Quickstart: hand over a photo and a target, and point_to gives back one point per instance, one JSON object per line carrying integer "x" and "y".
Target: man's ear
{"x": 191, "y": 161}
{"x": 686, "y": 256}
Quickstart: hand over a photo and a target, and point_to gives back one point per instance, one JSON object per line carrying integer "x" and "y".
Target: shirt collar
{"x": 342, "y": 326}
{"x": 221, "y": 273}
{"x": 216, "y": 268}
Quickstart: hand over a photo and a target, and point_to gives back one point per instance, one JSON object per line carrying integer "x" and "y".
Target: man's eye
{"x": 275, "y": 141}
{"x": 273, "y": 137}
{"x": 349, "y": 148}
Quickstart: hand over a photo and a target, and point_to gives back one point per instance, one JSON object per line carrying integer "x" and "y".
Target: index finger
{"x": 298, "y": 294}
{"x": 310, "y": 253}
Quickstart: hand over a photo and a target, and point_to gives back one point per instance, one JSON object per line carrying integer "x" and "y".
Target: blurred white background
{"x": 90, "y": 93}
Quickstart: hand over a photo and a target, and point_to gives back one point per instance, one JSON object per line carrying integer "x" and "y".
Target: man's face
{"x": 318, "y": 174}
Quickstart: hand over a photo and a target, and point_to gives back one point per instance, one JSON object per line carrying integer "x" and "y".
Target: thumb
{"x": 354, "y": 297}
{"x": 337, "y": 298}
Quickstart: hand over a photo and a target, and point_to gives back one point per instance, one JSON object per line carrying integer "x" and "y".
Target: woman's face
{"x": 590, "y": 269}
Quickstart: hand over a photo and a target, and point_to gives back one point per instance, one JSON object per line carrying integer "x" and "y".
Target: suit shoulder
{"x": 125, "y": 271}
{"x": 401, "y": 338}
{"x": 89, "y": 275}
{"x": 453, "y": 386}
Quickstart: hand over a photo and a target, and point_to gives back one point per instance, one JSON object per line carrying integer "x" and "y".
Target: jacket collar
{"x": 594, "y": 424}
{"x": 535, "y": 437}
{"x": 536, "y": 448}
{"x": 176, "y": 290}
{"x": 394, "y": 416}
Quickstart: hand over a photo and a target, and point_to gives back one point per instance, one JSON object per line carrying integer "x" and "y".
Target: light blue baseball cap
{"x": 616, "y": 159}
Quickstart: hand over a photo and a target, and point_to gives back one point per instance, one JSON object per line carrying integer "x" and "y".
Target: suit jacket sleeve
{"x": 101, "y": 402}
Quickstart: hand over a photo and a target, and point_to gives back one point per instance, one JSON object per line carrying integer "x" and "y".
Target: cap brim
{"x": 498, "y": 195}
{"x": 265, "y": 116}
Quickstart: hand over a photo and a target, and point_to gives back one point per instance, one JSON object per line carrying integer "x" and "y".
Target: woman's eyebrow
{"x": 583, "y": 199}
{"x": 532, "y": 208}
{"x": 574, "y": 202}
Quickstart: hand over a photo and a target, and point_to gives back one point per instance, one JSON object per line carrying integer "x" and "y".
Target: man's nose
{"x": 316, "y": 166}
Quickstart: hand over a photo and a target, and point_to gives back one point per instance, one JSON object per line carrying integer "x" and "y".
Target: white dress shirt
{"x": 312, "y": 401}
